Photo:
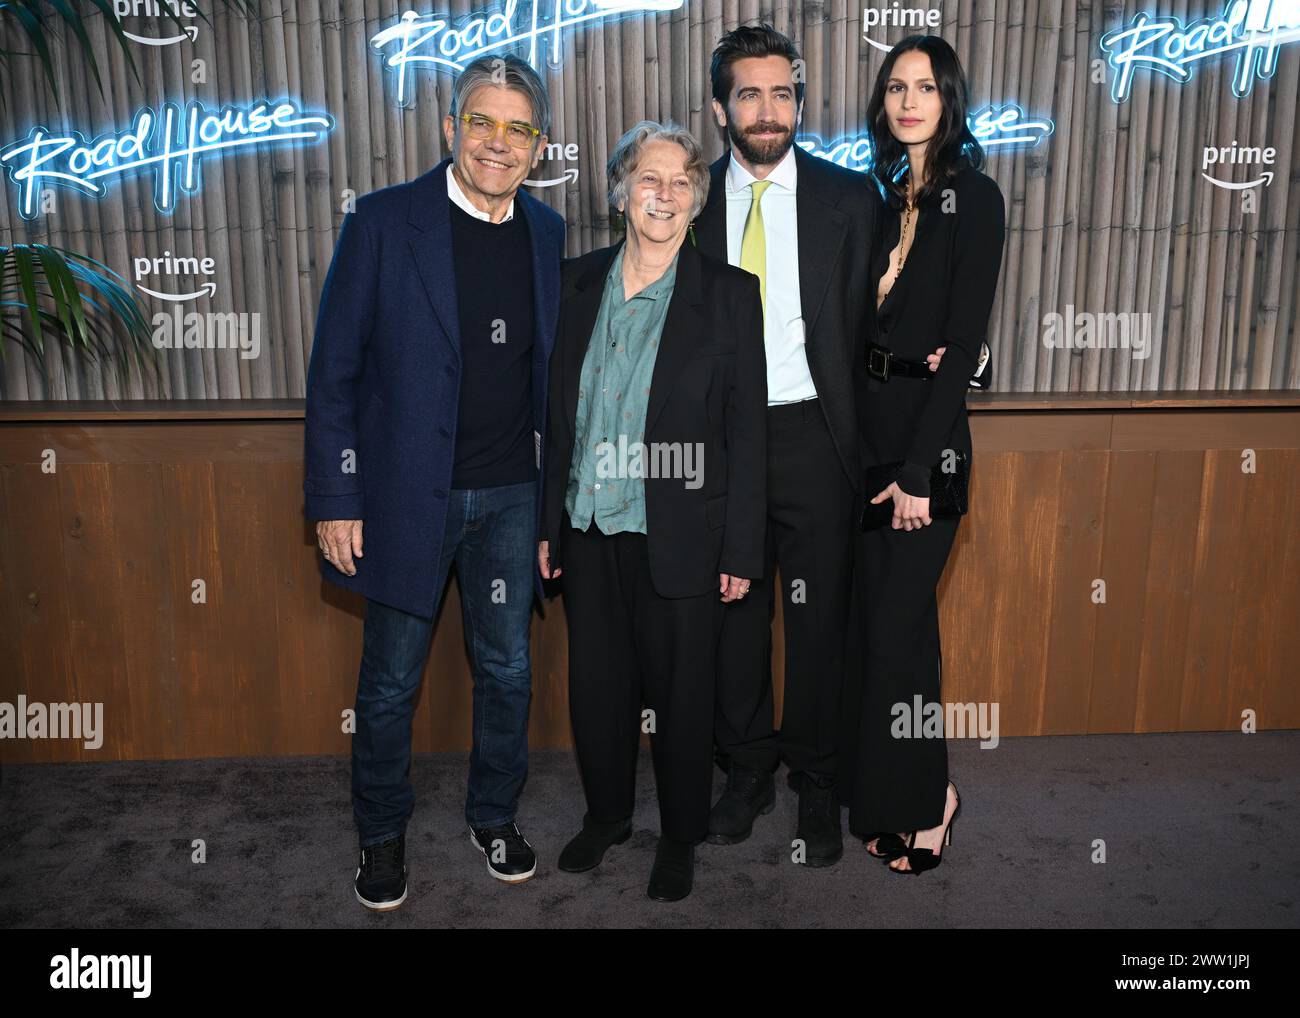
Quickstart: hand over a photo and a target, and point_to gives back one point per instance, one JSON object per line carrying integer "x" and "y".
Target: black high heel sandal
{"x": 921, "y": 859}
{"x": 894, "y": 846}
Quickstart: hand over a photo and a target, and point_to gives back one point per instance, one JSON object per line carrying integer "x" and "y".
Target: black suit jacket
{"x": 709, "y": 386}
{"x": 837, "y": 210}
{"x": 946, "y": 289}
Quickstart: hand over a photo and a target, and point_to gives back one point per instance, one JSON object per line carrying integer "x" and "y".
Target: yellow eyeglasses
{"x": 481, "y": 128}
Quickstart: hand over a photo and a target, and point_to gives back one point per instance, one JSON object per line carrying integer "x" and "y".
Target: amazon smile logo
{"x": 164, "y": 9}
{"x": 557, "y": 152}
{"x": 176, "y": 328}
{"x": 918, "y": 19}
{"x": 1238, "y": 155}
{"x": 175, "y": 265}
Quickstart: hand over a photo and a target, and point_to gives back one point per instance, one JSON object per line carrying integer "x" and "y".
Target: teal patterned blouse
{"x": 606, "y": 480}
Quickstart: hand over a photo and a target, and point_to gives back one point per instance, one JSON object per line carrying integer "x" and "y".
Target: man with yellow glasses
{"x": 426, "y": 417}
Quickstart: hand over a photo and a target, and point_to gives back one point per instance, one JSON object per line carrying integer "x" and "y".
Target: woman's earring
{"x": 690, "y": 232}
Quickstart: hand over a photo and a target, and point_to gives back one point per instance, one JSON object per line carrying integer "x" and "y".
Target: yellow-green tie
{"x": 753, "y": 244}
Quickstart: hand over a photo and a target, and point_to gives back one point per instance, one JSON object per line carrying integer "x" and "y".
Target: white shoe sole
{"x": 517, "y": 878}
{"x": 377, "y": 906}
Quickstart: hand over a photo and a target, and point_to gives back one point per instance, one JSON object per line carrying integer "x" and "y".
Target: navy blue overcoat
{"x": 383, "y": 384}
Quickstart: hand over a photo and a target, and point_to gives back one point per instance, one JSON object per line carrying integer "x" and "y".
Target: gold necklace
{"x": 907, "y": 219}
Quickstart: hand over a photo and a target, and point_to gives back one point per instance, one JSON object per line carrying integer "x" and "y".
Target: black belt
{"x": 881, "y": 363}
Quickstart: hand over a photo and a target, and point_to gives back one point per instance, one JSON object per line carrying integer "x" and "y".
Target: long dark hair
{"x": 952, "y": 142}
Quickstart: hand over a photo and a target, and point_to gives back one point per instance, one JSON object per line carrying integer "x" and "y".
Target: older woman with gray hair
{"x": 653, "y": 506}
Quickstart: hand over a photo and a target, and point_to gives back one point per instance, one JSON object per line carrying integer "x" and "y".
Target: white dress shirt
{"x": 461, "y": 201}
{"x": 788, "y": 377}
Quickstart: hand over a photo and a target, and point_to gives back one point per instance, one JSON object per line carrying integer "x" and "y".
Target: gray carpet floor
{"x": 1200, "y": 831}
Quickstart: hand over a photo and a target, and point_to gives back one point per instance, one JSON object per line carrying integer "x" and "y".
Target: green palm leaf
{"x": 75, "y": 300}
{"x": 36, "y": 19}
{"x": 49, "y": 291}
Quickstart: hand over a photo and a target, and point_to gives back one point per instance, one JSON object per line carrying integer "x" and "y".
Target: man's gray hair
{"x": 627, "y": 153}
{"x": 507, "y": 70}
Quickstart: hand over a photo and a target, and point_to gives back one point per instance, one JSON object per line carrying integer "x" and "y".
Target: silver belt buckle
{"x": 877, "y": 354}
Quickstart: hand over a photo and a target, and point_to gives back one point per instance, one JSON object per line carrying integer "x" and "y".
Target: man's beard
{"x": 765, "y": 151}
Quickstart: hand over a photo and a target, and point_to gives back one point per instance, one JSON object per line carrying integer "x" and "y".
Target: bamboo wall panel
{"x": 1110, "y": 214}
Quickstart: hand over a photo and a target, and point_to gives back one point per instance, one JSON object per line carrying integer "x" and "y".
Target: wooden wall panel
{"x": 97, "y": 616}
{"x": 37, "y": 652}
{"x": 1120, "y": 628}
{"x": 140, "y": 549}
{"x": 1167, "y": 593}
{"x": 1074, "y": 560}
{"x": 1201, "y": 563}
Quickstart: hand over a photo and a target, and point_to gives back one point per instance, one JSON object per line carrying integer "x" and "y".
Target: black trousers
{"x": 891, "y": 779}
{"x": 809, "y": 537}
{"x": 629, "y": 647}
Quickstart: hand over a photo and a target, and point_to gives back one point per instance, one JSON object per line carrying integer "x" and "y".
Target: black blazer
{"x": 837, "y": 211}
{"x": 709, "y": 386}
{"x": 943, "y": 295}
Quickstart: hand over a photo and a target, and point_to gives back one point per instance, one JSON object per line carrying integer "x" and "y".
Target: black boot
{"x": 819, "y": 820}
{"x": 588, "y": 847}
{"x": 748, "y": 794}
{"x": 674, "y": 870}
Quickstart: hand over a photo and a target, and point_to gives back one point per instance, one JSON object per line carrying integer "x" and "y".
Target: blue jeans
{"x": 491, "y": 536}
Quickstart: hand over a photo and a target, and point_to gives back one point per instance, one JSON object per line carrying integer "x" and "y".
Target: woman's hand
{"x": 544, "y": 561}
{"x": 732, "y": 588}
{"x": 910, "y": 512}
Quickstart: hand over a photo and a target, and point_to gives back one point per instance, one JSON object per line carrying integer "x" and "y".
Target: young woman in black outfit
{"x": 935, "y": 266}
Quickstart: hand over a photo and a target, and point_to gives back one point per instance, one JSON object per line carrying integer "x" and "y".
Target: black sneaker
{"x": 509, "y": 856}
{"x": 381, "y": 875}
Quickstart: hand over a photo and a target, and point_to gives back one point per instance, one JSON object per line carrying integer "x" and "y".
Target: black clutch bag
{"x": 947, "y": 491}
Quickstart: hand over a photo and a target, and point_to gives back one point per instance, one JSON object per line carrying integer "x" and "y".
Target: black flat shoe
{"x": 674, "y": 870}
{"x": 921, "y": 859}
{"x": 589, "y": 846}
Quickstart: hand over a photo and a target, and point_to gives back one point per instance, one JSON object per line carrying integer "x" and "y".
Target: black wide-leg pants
{"x": 631, "y": 649}
{"x": 896, "y": 781}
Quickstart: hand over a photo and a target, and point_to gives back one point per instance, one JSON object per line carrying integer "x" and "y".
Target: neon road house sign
{"x": 169, "y": 143}
{"x": 1251, "y": 30}
{"x": 993, "y": 127}
{"x": 432, "y": 40}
